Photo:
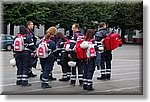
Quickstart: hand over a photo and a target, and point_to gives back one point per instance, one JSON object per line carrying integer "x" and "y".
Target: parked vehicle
{"x": 6, "y": 42}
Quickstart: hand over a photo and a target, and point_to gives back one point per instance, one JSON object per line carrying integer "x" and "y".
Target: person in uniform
{"x": 23, "y": 57}
{"x": 72, "y": 56}
{"x": 48, "y": 62}
{"x": 33, "y": 60}
{"x": 88, "y": 64}
{"x": 51, "y": 78}
{"x": 106, "y": 56}
{"x": 62, "y": 56}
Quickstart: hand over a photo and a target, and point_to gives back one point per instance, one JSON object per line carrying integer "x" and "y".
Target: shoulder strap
{"x": 43, "y": 39}
{"x": 77, "y": 34}
{"x": 66, "y": 39}
{"x": 48, "y": 40}
{"x": 24, "y": 35}
{"x": 101, "y": 33}
{"x": 18, "y": 35}
{"x": 91, "y": 40}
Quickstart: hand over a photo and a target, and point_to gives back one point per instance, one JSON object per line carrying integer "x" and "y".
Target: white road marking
{"x": 69, "y": 85}
{"x": 59, "y": 74}
{"x": 137, "y": 67}
{"x": 110, "y": 81}
{"x": 134, "y": 60}
{"x": 117, "y": 89}
{"x": 121, "y": 74}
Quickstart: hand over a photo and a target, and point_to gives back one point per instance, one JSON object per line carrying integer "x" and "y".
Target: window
{"x": 3, "y": 38}
{"x": 9, "y": 38}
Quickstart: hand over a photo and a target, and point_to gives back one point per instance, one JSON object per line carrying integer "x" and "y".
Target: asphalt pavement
{"x": 127, "y": 77}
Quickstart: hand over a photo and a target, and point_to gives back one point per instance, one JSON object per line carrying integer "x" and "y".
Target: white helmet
{"x": 72, "y": 63}
{"x": 67, "y": 47}
{"x": 84, "y": 45}
{"x": 13, "y": 62}
{"x": 100, "y": 47}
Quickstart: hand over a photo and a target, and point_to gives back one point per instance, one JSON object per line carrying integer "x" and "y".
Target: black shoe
{"x": 51, "y": 78}
{"x": 45, "y": 86}
{"x": 72, "y": 82}
{"x": 101, "y": 78}
{"x": 80, "y": 82}
{"x": 28, "y": 84}
{"x": 84, "y": 87}
{"x": 18, "y": 82}
{"x": 108, "y": 76}
{"x": 31, "y": 75}
{"x": 63, "y": 79}
{"x": 90, "y": 88}
{"x": 68, "y": 78}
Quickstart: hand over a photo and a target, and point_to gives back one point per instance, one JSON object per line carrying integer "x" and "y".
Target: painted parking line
{"x": 126, "y": 65}
{"x": 59, "y": 74}
{"x": 125, "y": 73}
{"x": 113, "y": 66}
{"x": 97, "y": 71}
{"x": 14, "y": 68}
{"x": 115, "y": 90}
{"x": 131, "y": 60}
{"x": 40, "y": 89}
{"x": 59, "y": 87}
{"x": 110, "y": 81}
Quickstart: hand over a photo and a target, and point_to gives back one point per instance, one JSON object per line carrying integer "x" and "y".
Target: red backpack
{"x": 80, "y": 53}
{"x": 111, "y": 42}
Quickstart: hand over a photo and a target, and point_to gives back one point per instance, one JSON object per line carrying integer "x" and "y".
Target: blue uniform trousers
{"x": 64, "y": 64}
{"x": 106, "y": 58}
{"x": 47, "y": 65}
{"x": 23, "y": 65}
{"x": 79, "y": 68}
{"x": 88, "y": 71}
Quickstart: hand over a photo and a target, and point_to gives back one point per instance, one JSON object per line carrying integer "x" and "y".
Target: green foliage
{"x": 124, "y": 15}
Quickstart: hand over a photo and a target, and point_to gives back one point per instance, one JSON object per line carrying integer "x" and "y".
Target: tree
{"x": 124, "y": 15}
{"x": 127, "y": 16}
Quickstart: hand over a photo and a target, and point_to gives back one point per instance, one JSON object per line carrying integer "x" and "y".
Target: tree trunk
{"x": 4, "y": 30}
{"x": 123, "y": 29}
{"x": 11, "y": 29}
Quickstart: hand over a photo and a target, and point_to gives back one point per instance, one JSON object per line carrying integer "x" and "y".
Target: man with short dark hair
{"x": 72, "y": 56}
{"x": 30, "y": 26}
{"x": 106, "y": 56}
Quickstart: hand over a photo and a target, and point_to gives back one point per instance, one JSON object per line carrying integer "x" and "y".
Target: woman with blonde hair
{"x": 48, "y": 62}
{"x": 52, "y": 31}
